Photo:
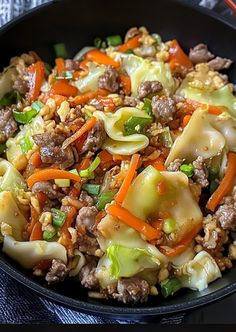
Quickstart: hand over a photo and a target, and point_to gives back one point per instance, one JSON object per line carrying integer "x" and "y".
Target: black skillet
{"x": 77, "y": 23}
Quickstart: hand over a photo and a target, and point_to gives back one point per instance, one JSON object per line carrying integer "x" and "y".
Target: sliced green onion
{"x": 2, "y": 148}
{"x": 166, "y": 138}
{"x": 62, "y": 183}
{"x": 47, "y": 236}
{"x": 214, "y": 184}
{"x": 37, "y": 105}
{"x": 114, "y": 40}
{"x": 135, "y": 125}
{"x": 169, "y": 225}
{"x": 60, "y": 50}
{"x": 74, "y": 171}
{"x": 97, "y": 42}
{"x": 26, "y": 144}
{"x": 24, "y": 117}
{"x": 88, "y": 172}
{"x": 103, "y": 199}
{"x": 66, "y": 75}
{"x": 129, "y": 51}
{"x": 59, "y": 217}
{"x": 147, "y": 108}
{"x": 170, "y": 286}
{"x": 10, "y": 98}
{"x": 187, "y": 169}
{"x": 92, "y": 189}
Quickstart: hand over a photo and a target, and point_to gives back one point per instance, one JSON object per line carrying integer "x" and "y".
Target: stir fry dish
{"x": 118, "y": 167}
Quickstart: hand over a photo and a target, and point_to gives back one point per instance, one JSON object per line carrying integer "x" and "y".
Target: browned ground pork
{"x": 163, "y": 109}
{"x": 149, "y": 87}
{"x": 200, "y": 54}
{"x": 109, "y": 80}
{"x": 95, "y": 139}
{"x": 57, "y": 272}
{"x": 8, "y": 125}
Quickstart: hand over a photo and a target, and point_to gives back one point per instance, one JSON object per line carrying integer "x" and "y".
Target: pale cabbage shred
{"x": 196, "y": 272}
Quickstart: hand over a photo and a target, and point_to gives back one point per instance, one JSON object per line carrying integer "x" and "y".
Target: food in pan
{"x": 118, "y": 167}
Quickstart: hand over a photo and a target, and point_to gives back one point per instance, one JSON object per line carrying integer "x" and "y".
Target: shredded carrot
{"x": 157, "y": 163}
{"x": 126, "y": 83}
{"x": 42, "y": 197}
{"x": 82, "y": 99}
{"x": 62, "y": 87}
{"x": 128, "y": 179}
{"x": 117, "y": 157}
{"x": 130, "y": 44}
{"x": 50, "y": 174}
{"x": 60, "y": 64}
{"x": 36, "y": 77}
{"x": 226, "y": 183}
{"x": 100, "y": 216}
{"x": 85, "y": 163}
{"x": 76, "y": 74}
{"x": 101, "y": 58}
{"x": 182, "y": 245}
{"x": 86, "y": 127}
{"x": 139, "y": 225}
{"x": 186, "y": 120}
{"x": 161, "y": 187}
{"x": 65, "y": 237}
{"x": 216, "y": 110}
{"x": 83, "y": 65}
{"x": 105, "y": 157}
{"x": 37, "y": 233}
{"x": 107, "y": 102}
{"x": 58, "y": 99}
{"x": 80, "y": 142}
{"x": 35, "y": 159}
{"x": 178, "y": 57}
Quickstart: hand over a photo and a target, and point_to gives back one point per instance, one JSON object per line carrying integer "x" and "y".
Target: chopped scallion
{"x": 10, "y": 98}
{"x": 26, "y": 144}
{"x": 103, "y": 199}
{"x": 170, "y": 286}
{"x": 147, "y": 108}
{"x": 169, "y": 225}
{"x": 135, "y": 125}
{"x": 88, "y": 172}
{"x": 187, "y": 169}
{"x": 92, "y": 189}
{"x": 114, "y": 40}
{"x": 37, "y": 105}
{"x": 60, "y": 50}
{"x": 98, "y": 42}
{"x": 129, "y": 51}
{"x": 74, "y": 171}
{"x": 59, "y": 217}
{"x": 24, "y": 117}
{"x": 49, "y": 236}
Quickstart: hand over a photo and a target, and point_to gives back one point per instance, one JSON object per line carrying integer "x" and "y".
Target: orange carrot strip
{"x": 130, "y": 44}
{"x": 129, "y": 219}
{"x": 186, "y": 120}
{"x": 62, "y": 87}
{"x": 60, "y": 64}
{"x": 225, "y": 184}
{"x": 35, "y": 159}
{"x": 128, "y": 179}
{"x": 105, "y": 157}
{"x": 101, "y": 58}
{"x": 80, "y": 141}
{"x": 85, "y": 163}
{"x": 182, "y": 245}
{"x": 126, "y": 82}
{"x": 65, "y": 237}
{"x": 86, "y": 127}
{"x": 36, "y": 77}
{"x": 157, "y": 163}
{"x": 216, "y": 110}
{"x": 82, "y": 99}
{"x": 117, "y": 157}
{"x": 107, "y": 102}
{"x": 37, "y": 233}
{"x": 178, "y": 57}
{"x": 50, "y": 174}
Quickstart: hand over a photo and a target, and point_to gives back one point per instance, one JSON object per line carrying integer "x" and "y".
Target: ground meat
{"x": 132, "y": 32}
{"x": 131, "y": 101}
{"x": 87, "y": 276}
{"x": 109, "y": 80}
{"x": 95, "y": 139}
{"x": 51, "y": 151}
{"x": 57, "y": 272}
{"x": 45, "y": 187}
{"x": 8, "y": 125}
{"x": 87, "y": 244}
{"x": 87, "y": 218}
{"x": 72, "y": 64}
{"x": 21, "y": 84}
{"x": 148, "y": 87}
{"x": 219, "y": 63}
{"x": 132, "y": 290}
{"x": 175, "y": 165}
{"x": 163, "y": 109}
{"x": 86, "y": 199}
{"x": 226, "y": 214}
{"x": 200, "y": 54}
{"x": 200, "y": 172}
{"x": 214, "y": 236}
{"x": 98, "y": 104}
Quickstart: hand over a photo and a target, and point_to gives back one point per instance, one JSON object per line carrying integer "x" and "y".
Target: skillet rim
{"x": 102, "y": 309}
